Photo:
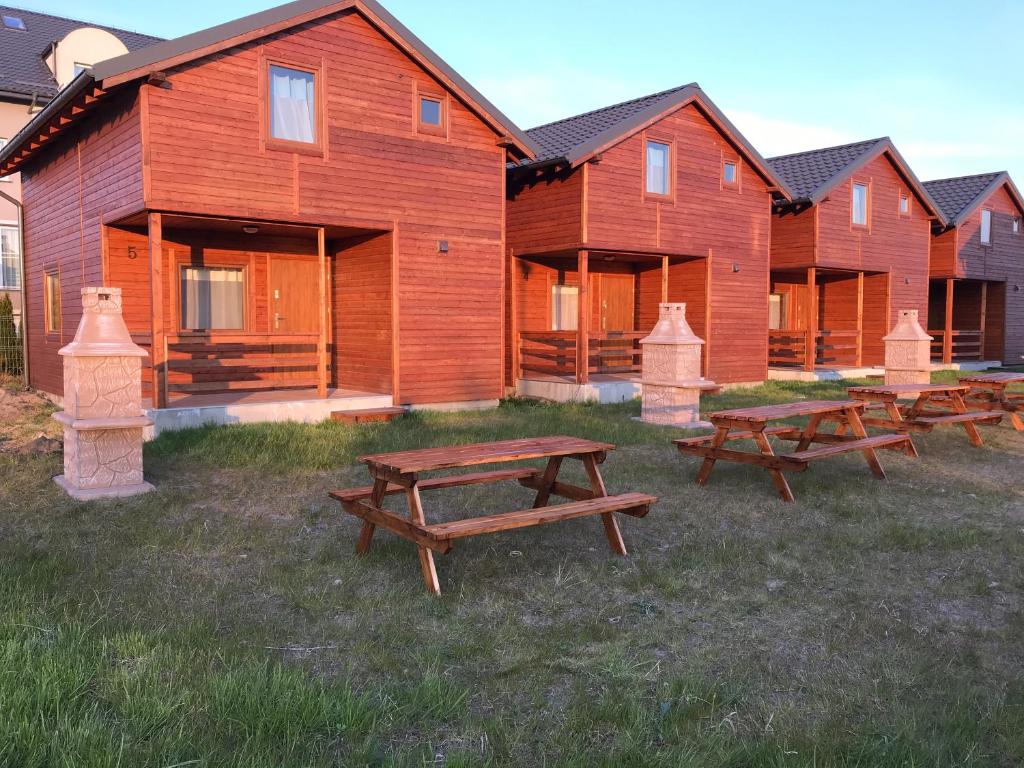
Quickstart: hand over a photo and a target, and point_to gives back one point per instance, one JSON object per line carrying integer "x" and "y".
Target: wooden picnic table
{"x": 934, "y": 405}
{"x": 988, "y": 393}
{"x": 400, "y": 473}
{"x": 752, "y": 424}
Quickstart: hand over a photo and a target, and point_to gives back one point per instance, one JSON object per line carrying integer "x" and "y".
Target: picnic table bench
{"x": 400, "y": 474}
{"x": 988, "y": 393}
{"x": 935, "y": 405}
{"x": 752, "y": 424}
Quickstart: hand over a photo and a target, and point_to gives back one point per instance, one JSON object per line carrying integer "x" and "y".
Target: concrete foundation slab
{"x": 823, "y": 374}
{"x": 565, "y": 391}
{"x": 972, "y": 366}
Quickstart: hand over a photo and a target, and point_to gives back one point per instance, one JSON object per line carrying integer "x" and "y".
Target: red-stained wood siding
{"x": 63, "y": 212}
{"x": 362, "y": 313}
{"x": 731, "y": 225}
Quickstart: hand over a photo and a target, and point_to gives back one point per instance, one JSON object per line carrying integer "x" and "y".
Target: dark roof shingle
{"x": 557, "y": 140}
{"x": 22, "y": 69}
{"x": 955, "y": 196}
{"x": 807, "y": 173}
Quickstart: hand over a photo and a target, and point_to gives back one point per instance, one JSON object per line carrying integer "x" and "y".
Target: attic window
{"x": 430, "y": 113}
{"x": 904, "y": 204}
{"x": 1016, "y": 226}
{"x": 14, "y": 22}
{"x": 986, "y": 227}
{"x": 730, "y": 175}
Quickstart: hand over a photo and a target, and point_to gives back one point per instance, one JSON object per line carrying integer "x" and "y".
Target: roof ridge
{"x": 879, "y": 140}
{"x": 991, "y": 174}
{"x": 656, "y": 95}
{"x": 78, "y": 21}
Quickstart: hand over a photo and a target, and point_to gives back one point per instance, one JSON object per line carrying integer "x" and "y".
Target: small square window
{"x": 14, "y": 22}
{"x": 904, "y": 204}
{"x": 293, "y": 113}
{"x": 860, "y": 205}
{"x": 51, "y": 302}
{"x": 730, "y": 172}
{"x": 986, "y": 227}
{"x": 430, "y": 111}
{"x": 659, "y": 158}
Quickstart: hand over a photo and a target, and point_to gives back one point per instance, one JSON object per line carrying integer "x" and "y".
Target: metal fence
{"x": 11, "y": 352}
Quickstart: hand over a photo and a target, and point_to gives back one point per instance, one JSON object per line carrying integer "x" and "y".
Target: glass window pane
{"x": 292, "y": 105}
{"x": 658, "y": 157}
{"x": 564, "y": 307}
{"x": 730, "y": 173}
{"x": 52, "y": 302}
{"x": 9, "y": 277}
{"x": 986, "y": 226}
{"x": 904, "y": 204}
{"x": 860, "y": 204}
{"x": 212, "y": 299}
{"x": 430, "y": 112}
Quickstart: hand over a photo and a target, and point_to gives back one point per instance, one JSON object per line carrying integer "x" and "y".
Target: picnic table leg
{"x": 809, "y": 433}
{"x": 412, "y": 495}
{"x": 781, "y": 484}
{"x": 857, "y": 426}
{"x": 969, "y": 426}
{"x": 611, "y": 525}
{"x": 376, "y": 500}
{"x": 721, "y": 435}
{"x": 547, "y": 482}
{"x": 896, "y": 417}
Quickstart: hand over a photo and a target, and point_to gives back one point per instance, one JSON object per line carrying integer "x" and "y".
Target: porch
{"x": 254, "y": 320}
{"x": 577, "y": 319}
{"x": 826, "y": 323}
{"x": 966, "y": 320}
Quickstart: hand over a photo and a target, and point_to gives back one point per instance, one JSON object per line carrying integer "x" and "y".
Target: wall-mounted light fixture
{"x": 250, "y": 229}
{"x": 735, "y": 266}
{"x": 906, "y": 281}
{"x": 1016, "y": 289}
{"x": 442, "y": 246}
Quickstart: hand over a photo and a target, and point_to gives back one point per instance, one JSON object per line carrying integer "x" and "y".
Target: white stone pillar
{"x": 671, "y": 373}
{"x": 908, "y": 352}
{"x": 102, "y": 417}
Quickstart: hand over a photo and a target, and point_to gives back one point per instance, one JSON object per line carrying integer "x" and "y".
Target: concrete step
{"x": 368, "y": 415}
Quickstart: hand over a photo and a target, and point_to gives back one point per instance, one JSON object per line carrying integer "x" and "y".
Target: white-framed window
{"x": 10, "y": 277}
{"x": 861, "y": 204}
{"x": 659, "y": 161}
{"x": 1016, "y": 225}
{"x": 730, "y": 172}
{"x": 986, "y": 227}
{"x": 212, "y": 298}
{"x": 565, "y": 303}
{"x": 904, "y": 204}
{"x": 293, "y": 112}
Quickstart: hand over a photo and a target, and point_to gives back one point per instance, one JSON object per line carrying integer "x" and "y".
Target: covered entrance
{"x": 966, "y": 319}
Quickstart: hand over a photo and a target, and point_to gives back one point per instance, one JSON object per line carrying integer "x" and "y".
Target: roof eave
{"x": 1002, "y": 179}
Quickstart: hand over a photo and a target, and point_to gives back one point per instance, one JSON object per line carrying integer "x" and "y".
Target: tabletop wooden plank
{"x": 907, "y": 389}
{"x": 764, "y": 413}
{"x": 452, "y": 457}
{"x": 994, "y": 378}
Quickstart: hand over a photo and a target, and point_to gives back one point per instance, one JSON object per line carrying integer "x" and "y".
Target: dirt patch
{"x": 25, "y": 424}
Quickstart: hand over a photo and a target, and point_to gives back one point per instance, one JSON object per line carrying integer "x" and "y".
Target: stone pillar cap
{"x": 672, "y": 327}
{"x": 908, "y": 328}
{"x": 102, "y": 332}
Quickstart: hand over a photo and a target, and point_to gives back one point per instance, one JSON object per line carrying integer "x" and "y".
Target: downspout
{"x": 22, "y": 277}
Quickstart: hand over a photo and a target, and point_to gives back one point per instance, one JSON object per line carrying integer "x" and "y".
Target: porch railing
{"x": 790, "y": 348}
{"x": 965, "y": 345}
{"x": 554, "y": 353}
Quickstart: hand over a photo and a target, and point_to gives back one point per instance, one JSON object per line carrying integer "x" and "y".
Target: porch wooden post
{"x": 321, "y": 340}
{"x": 583, "y": 321}
{"x": 811, "y": 347}
{"x": 947, "y": 336}
{"x": 664, "y": 279}
{"x": 860, "y": 319}
{"x": 158, "y": 341}
{"x": 984, "y": 312}
{"x": 513, "y": 320}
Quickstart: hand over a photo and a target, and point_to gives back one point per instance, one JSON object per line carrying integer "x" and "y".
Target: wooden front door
{"x": 617, "y": 302}
{"x": 293, "y": 296}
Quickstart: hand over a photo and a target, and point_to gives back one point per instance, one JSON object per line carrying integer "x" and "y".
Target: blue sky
{"x": 941, "y": 78}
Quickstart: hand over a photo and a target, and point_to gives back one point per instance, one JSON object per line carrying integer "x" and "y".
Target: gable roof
{"x": 23, "y": 73}
{"x": 110, "y": 74}
{"x": 813, "y": 175}
{"x": 961, "y": 196}
{"x": 575, "y": 140}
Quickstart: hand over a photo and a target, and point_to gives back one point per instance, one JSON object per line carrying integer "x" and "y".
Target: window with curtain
{"x": 659, "y": 157}
{"x": 212, "y": 299}
{"x": 986, "y": 227}
{"x": 860, "y": 204}
{"x": 292, "y": 105}
{"x": 9, "y": 277}
{"x": 565, "y": 302}
{"x": 778, "y": 312}
{"x": 51, "y": 302}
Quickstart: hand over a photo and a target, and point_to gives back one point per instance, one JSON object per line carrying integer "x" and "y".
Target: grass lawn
{"x": 225, "y": 621}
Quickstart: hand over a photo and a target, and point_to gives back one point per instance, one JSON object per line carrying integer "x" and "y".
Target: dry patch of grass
{"x": 226, "y": 620}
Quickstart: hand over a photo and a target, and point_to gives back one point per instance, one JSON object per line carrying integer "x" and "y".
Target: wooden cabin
{"x": 848, "y": 252}
{"x": 656, "y": 199}
{"x": 976, "y": 306}
{"x": 306, "y": 202}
